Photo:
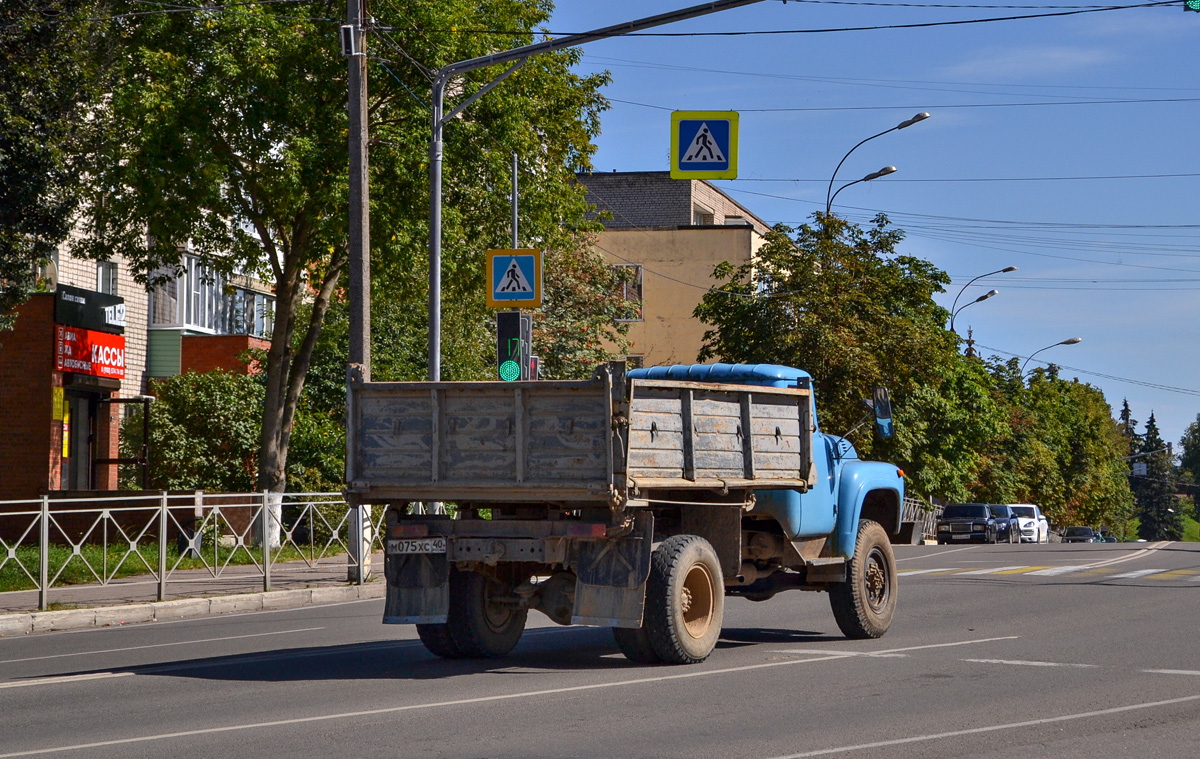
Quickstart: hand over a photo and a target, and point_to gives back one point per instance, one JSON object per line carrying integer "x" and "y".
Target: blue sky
{"x": 1005, "y": 172}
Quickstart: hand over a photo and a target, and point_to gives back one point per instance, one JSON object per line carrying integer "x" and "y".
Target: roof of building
{"x": 652, "y": 199}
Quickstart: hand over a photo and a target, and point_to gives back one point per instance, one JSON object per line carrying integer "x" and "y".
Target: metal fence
{"x": 181, "y": 538}
{"x": 924, "y": 513}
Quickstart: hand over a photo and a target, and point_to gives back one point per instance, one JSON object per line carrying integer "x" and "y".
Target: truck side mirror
{"x": 882, "y": 405}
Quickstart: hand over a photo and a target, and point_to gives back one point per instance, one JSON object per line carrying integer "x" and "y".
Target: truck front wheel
{"x": 685, "y": 600}
{"x": 865, "y": 602}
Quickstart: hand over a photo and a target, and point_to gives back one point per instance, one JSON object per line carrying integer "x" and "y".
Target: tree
{"x": 45, "y": 84}
{"x": 839, "y": 302}
{"x": 1160, "y": 520}
{"x": 1189, "y": 461}
{"x": 227, "y": 135}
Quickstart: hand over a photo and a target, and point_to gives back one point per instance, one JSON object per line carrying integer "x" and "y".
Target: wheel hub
{"x": 875, "y": 576}
{"x": 697, "y": 601}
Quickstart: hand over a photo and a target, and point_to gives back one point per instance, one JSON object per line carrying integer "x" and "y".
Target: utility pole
{"x": 360, "y": 222}
{"x": 354, "y": 47}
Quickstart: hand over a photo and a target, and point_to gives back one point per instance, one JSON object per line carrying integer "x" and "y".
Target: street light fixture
{"x": 830, "y": 194}
{"x": 980, "y": 299}
{"x": 873, "y": 175}
{"x": 1005, "y": 270}
{"x": 1068, "y": 341}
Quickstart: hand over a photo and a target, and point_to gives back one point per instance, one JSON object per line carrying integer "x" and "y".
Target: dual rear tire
{"x": 481, "y": 622}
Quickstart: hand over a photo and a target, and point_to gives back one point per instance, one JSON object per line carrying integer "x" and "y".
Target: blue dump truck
{"x": 637, "y": 500}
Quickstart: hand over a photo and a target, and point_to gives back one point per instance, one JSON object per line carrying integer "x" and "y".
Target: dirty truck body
{"x": 635, "y": 500}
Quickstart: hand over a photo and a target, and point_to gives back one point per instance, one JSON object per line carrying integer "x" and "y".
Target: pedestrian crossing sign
{"x": 514, "y": 278}
{"x": 704, "y": 144}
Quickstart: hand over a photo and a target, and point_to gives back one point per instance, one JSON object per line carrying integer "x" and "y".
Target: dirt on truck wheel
{"x": 865, "y": 602}
{"x": 685, "y": 600}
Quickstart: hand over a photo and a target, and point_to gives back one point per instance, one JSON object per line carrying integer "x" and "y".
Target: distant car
{"x": 1034, "y": 526}
{"x": 1080, "y": 535}
{"x": 1008, "y": 528}
{"x": 967, "y": 522}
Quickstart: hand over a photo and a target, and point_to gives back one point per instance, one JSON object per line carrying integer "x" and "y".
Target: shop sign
{"x": 89, "y": 309}
{"x": 86, "y": 351}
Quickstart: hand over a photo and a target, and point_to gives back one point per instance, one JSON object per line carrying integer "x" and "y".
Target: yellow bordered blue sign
{"x": 514, "y": 278}
{"x": 704, "y": 144}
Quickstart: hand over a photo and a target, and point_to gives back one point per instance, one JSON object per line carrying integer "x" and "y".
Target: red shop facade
{"x": 61, "y": 374}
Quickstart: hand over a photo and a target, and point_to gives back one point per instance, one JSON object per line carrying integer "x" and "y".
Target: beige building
{"x": 673, "y": 232}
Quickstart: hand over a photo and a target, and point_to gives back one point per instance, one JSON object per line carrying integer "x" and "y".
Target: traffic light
{"x": 514, "y": 333}
{"x": 1191, "y": 5}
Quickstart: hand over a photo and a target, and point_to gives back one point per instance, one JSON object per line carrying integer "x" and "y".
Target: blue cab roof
{"x": 769, "y": 375}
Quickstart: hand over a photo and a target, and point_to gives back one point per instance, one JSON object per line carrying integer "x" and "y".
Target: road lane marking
{"x": 1173, "y": 574}
{"x": 1029, "y": 663}
{"x": 818, "y": 652}
{"x": 938, "y": 553}
{"x": 480, "y": 699}
{"x": 992, "y": 570}
{"x": 991, "y": 728}
{"x": 1136, "y": 573}
{"x": 1172, "y": 672}
{"x": 1022, "y": 570}
{"x": 160, "y": 645}
{"x": 1060, "y": 570}
{"x": 65, "y": 679}
{"x": 911, "y": 572}
{"x": 1135, "y": 555}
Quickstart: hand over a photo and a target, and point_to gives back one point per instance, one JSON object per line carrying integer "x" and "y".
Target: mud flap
{"x": 610, "y": 589}
{"x": 418, "y": 588}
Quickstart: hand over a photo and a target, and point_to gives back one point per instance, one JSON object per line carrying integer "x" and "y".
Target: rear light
{"x": 587, "y": 530}
{"x": 409, "y": 531}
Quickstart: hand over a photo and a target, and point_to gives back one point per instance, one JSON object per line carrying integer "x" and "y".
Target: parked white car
{"x": 1034, "y": 527}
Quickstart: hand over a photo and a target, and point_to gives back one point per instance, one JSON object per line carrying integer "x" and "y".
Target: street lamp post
{"x": 515, "y": 58}
{"x": 980, "y": 299}
{"x": 1005, "y": 270}
{"x": 830, "y": 194}
{"x": 1068, "y": 341}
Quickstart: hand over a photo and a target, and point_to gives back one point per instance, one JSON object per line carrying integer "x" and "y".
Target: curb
{"x": 184, "y": 608}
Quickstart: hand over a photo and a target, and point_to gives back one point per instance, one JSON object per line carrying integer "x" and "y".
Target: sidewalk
{"x": 190, "y": 593}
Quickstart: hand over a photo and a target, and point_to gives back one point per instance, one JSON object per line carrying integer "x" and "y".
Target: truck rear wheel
{"x": 635, "y": 644}
{"x": 685, "y": 600}
{"x": 437, "y": 640}
{"x": 481, "y": 625}
{"x": 865, "y": 602}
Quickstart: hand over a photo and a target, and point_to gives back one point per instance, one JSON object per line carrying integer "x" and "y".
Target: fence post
{"x": 266, "y": 543}
{"x": 162, "y": 547}
{"x": 44, "y": 555}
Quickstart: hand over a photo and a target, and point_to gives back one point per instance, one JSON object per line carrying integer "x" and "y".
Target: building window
{"x": 106, "y": 277}
{"x": 201, "y": 300}
{"x": 701, "y": 216}
{"x": 635, "y": 361}
{"x": 629, "y": 287}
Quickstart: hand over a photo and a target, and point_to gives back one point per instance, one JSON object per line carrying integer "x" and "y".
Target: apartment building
{"x": 672, "y": 232}
{"x": 86, "y": 350}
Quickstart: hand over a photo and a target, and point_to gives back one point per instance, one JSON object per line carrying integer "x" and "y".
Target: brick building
{"x": 86, "y": 353}
{"x": 672, "y": 232}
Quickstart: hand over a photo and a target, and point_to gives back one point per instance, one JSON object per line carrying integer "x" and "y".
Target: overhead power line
{"x": 1141, "y": 383}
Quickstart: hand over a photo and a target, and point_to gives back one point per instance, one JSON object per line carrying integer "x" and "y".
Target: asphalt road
{"x": 1026, "y": 651}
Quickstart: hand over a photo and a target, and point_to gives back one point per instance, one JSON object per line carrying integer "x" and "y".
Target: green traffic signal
{"x": 510, "y": 371}
{"x": 1191, "y": 5}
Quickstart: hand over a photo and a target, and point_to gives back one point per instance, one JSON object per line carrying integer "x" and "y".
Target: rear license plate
{"x": 417, "y": 545}
{"x": 961, "y": 537}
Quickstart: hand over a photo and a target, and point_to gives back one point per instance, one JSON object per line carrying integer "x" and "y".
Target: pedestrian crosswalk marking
{"x": 1173, "y": 574}
{"x": 1137, "y": 573}
{"x": 991, "y": 570}
{"x": 911, "y": 572}
{"x": 1021, "y": 571}
{"x": 1066, "y": 569}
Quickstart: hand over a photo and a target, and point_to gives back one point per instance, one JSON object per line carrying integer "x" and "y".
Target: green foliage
{"x": 1159, "y": 511}
{"x": 204, "y": 432}
{"x": 841, "y": 303}
{"x": 45, "y": 81}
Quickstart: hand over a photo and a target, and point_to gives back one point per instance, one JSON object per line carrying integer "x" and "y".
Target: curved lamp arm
{"x": 829, "y": 194}
{"x": 1068, "y": 341}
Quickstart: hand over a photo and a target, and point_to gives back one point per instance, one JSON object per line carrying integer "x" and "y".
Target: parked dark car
{"x": 1080, "y": 535}
{"x": 967, "y": 522}
{"x": 1008, "y": 530}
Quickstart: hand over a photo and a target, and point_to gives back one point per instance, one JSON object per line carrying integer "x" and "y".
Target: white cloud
{"x": 1042, "y": 61}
